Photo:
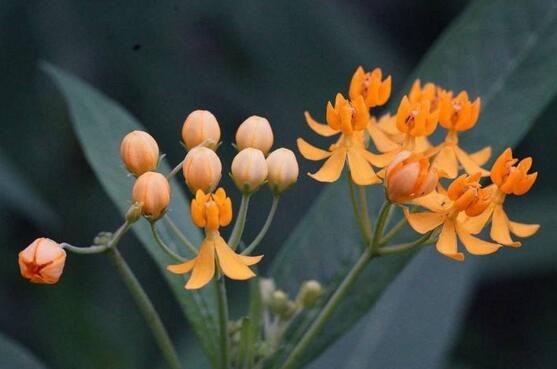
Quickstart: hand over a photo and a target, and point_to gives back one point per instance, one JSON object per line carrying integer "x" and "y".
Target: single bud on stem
{"x": 152, "y": 192}
{"x": 199, "y": 127}
{"x": 202, "y": 169}
{"x": 266, "y": 288}
{"x": 309, "y": 293}
{"x": 249, "y": 170}
{"x": 139, "y": 152}
{"x": 134, "y": 213}
{"x": 42, "y": 261}
{"x": 255, "y": 132}
{"x": 279, "y": 302}
{"x": 283, "y": 170}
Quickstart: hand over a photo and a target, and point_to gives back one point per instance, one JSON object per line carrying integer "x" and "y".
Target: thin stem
{"x": 238, "y": 229}
{"x": 176, "y": 169}
{"x": 94, "y": 249}
{"x": 265, "y": 228}
{"x": 403, "y": 247}
{"x": 163, "y": 245}
{"x": 380, "y": 226}
{"x": 180, "y": 235}
{"x": 363, "y": 230}
{"x": 364, "y": 210}
{"x": 223, "y": 321}
{"x": 149, "y": 313}
{"x": 393, "y": 232}
{"x": 327, "y": 310}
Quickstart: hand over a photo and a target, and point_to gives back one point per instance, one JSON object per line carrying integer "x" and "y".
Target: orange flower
{"x": 42, "y": 261}
{"x": 349, "y": 118}
{"x": 510, "y": 177}
{"x": 211, "y": 211}
{"x": 464, "y": 196}
{"x": 369, "y": 85}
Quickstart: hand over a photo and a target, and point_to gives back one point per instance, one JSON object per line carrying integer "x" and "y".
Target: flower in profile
{"x": 464, "y": 196}
{"x": 255, "y": 132}
{"x": 349, "y": 119}
{"x": 510, "y": 177}
{"x": 212, "y": 211}
{"x": 375, "y": 90}
{"x": 201, "y": 126}
{"x": 139, "y": 152}
{"x": 42, "y": 261}
{"x": 151, "y": 192}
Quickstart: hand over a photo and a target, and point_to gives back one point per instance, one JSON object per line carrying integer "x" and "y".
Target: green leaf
{"x": 502, "y": 51}
{"x": 100, "y": 125}
{"x": 13, "y": 355}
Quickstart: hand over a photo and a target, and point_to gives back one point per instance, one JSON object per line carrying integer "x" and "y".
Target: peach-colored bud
{"x": 282, "y": 170}
{"x": 201, "y": 126}
{"x": 408, "y": 177}
{"x": 152, "y": 191}
{"x": 42, "y": 261}
{"x": 202, "y": 169}
{"x": 255, "y": 132}
{"x": 139, "y": 152}
{"x": 249, "y": 169}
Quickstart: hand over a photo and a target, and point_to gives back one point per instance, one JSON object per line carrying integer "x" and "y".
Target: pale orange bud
{"x": 152, "y": 192}
{"x": 200, "y": 126}
{"x": 282, "y": 170}
{"x": 255, "y": 132}
{"x": 139, "y": 152}
{"x": 408, "y": 177}
{"x": 249, "y": 169}
{"x": 202, "y": 169}
{"x": 42, "y": 261}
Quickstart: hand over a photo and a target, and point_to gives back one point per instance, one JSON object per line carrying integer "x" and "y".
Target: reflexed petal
{"x": 311, "y": 152}
{"x": 523, "y": 230}
{"x": 500, "y": 228}
{"x": 231, "y": 265}
{"x": 387, "y": 123}
{"x": 250, "y": 260}
{"x": 468, "y": 164}
{"x": 446, "y": 244}
{"x": 434, "y": 201}
{"x": 475, "y": 224}
{"x": 181, "y": 268}
{"x": 482, "y": 156}
{"x": 381, "y": 160}
{"x": 360, "y": 170}
{"x": 204, "y": 268}
{"x": 319, "y": 128}
{"x": 474, "y": 245}
{"x": 421, "y": 144}
{"x": 381, "y": 141}
{"x": 332, "y": 169}
{"x": 424, "y": 222}
{"x": 446, "y": 161}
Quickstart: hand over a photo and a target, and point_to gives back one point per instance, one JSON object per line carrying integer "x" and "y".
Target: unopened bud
{"x": 202, "y": 169}
{"x": 408, "y": 177}
{"x": 134, "y": 213}
{"x": 152, "y": 191}
{"x": 255, "y": 132}
{"x": 199, "y": 127}
{"x": 266, "y": 288}
{"x": 289, "y": 311}
{"x": 309, "y": 293}
{"x": 279, "y": 302}
{"x": 283, "y": 170}
{"x": 249, "y": 169}
{"x": 42, "y": 261}
{"x": 139, "y": 152}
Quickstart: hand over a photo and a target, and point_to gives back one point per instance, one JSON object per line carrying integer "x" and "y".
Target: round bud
{"x": 202, "y": 169}
{"x": 408, "y": 177}
{"x": 249, "y": 169}
{"x": 309, "y": 293}
{"x": 279, "y": 302}
{"x": 139, "y": 152}
{"x": 255, "y": 132}
{"x": 42, "y": 261}
{"x": 152, "y": 191}
{"x": 282, "y": 170}
{"x": 200, "y": 126}
{"x": 266, "y": 288}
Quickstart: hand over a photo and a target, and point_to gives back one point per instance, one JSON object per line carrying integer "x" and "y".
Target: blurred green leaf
{"x": 100, "y": 125}
{"x": 502, "y": 51}
{"x": 13, "y": 355}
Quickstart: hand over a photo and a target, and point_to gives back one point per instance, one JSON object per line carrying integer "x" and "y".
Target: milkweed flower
{"x": 151, "y": 192}
{"x": 212, "y": 211}
{"x": 42, "y": 261}
{"x": 464, "y": 195}
{"x": 349, "y": 119}
{"x": 370, "y": 86}
{"x": 200, "y": 126}
{"x": 139, "y": 152}
{"x": 255, "y": 132}
{"x": 202, "y": 169}
{"x": 510, "y": 177}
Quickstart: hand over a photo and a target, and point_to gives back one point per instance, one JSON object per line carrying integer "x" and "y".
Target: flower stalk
{"x": 265, "y": 227}
{"x": 223, "y": 322}
{"x": 240, "y": 223}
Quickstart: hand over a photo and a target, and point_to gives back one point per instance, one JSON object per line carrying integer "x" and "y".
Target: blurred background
{"x": 163, "y": 59}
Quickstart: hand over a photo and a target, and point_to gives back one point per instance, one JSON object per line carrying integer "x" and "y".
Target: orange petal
{"x": 474, "y": 245}
{"x": 231, "y": 265}
{"x": 434, "y": 201}
{"x": 204, "y": 268}
{"x": 319, "y": 128}
{"x": 381, "y": 160}
{"x": 469, "y": 165}
{"x": 332, "y": 169}
{"x": 475, "y": 224}
{"x": 500, "y": 228}
{"x": 421, "y": 144}
{"x": 380, "y": 139}
{"x": 360, "y": 170}
{"x": 424, "y": 222}
{"x": 250, "y": 260}
{"x": 181, "y": 268}
{"x": 311, "y": 152}
{"x": 523, "y": 230}
{"x": 387, "y": 123}
{"x": 482, "y": 156}
{"x": 446, "y": 161}
{"x": 446, "y": 244}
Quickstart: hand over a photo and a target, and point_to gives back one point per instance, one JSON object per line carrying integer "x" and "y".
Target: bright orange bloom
{"x": 211, "y": 211}
{"x": 510, "y": 177}
{"x": 464, "y": 196}
{"x": 370, "y": 86}
{"x": 42, "y": 261}
{"x": 349, "y": 118}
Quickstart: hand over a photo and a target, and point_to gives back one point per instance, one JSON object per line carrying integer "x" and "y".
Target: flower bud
{"x": 309, "y": 293}
{"x": 249, "y": 169}
{"x": 255, "y": 132}
{"x": 282, "y": 170}
{"x": 152, "y": 191}
{"x": 134, "y": 213}
{"x": 42, "y": 261}
{"x": 266, "y": 288}
{"x": 408, "y": 177}
{"x": 139, "y": 152}
{"x": 202, "y": 169}
{"x": 200, "y": 126}
{"x": 279, "y": 302}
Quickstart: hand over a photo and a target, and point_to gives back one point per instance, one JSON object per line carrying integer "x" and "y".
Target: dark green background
{"x": 163, "y": 59}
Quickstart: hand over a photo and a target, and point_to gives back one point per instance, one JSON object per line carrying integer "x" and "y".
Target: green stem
{"x": 364, "y": 210}
{"x": 393, "y": 232}
{"x": 94, "y": 249}
{"x": 238, "y": 229}
{"x": 365, "y": 232}
{"x": 380, "y": 226}
{"x": 180, "y": 235}
{"x": 149, "y": 313}
{"x": 265, "y": 228}
{"x": 164, "y": 246}
{"x": 223, "y": 321}
{"x": 403, "y": 247}
{"x": 176, "y": 169}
